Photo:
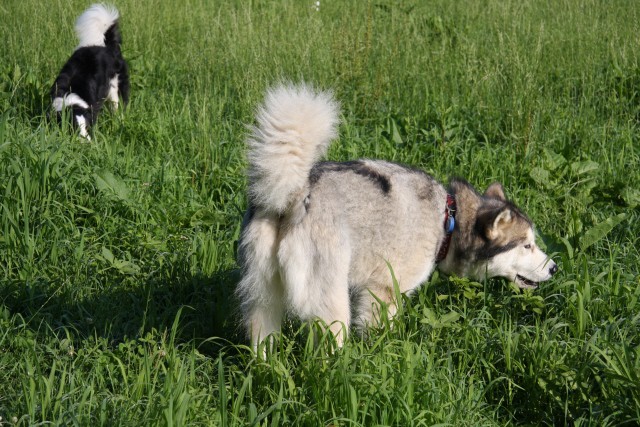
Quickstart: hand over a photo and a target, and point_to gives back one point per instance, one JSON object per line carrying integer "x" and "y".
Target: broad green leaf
{"x": 587, "y": 166}
{"x": 631, "y": 196}
{"x": 450, "y": 317}
{"x": 554, "y": 160}
{"x": 108, "y": 182}
{"x": 540, "y": 176}
{"x": 108, "y": 255}
{"x": 123, "y": 266}
{"x": 597, "y": 232}
{"x": 430, "y": 318}
{"x": 126, "y": 267}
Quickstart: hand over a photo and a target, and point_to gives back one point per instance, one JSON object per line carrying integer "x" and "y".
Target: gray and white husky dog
{"x": 318, "y": 237}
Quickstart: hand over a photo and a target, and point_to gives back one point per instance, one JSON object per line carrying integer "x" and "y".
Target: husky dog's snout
{"x": 553, "y": 269}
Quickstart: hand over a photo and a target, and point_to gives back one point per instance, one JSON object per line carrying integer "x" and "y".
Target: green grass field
{"x": 117, "y": 257}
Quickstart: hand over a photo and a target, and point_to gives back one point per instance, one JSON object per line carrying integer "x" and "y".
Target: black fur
{"x": 357, "y": 167}
{"x": 489, "y": 250}
{"x": 88, "y": 74}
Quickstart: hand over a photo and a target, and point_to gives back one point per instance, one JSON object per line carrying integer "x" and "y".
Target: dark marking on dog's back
{"x": 357, "y": 166}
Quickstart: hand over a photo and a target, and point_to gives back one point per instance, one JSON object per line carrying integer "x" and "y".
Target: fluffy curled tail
{"x": 97, "y": 26}
{"x": 295, "y": 126}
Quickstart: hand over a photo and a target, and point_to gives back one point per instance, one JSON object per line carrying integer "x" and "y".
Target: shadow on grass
{"x": 206, "y": 306}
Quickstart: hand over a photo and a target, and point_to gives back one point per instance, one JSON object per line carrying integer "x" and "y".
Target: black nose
{"x": 553, "y": 269}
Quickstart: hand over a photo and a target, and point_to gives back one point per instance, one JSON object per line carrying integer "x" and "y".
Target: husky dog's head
{"x": 493, "y": 238}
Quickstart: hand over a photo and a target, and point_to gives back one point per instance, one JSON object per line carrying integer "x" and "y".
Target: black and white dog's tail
{"x": 295, "y": 126}
{"x": 98, "y": 26}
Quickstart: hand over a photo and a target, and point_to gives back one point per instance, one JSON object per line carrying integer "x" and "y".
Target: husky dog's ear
{"x": 500, "y": 223}
{"x": 492, "y": 223}
{"x": 495, "y": 191}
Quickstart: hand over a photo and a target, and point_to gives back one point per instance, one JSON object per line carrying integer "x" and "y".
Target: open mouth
{"x": 524, "y": 283}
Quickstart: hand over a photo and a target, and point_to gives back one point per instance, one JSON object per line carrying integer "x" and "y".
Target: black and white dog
{"x": 96, "y": 71}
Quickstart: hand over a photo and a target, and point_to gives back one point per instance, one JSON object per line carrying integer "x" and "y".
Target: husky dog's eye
{"x": 527, "y": 246}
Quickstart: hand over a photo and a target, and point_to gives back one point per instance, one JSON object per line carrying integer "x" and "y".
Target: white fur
{"x": 526, "y": 260}
{"x": 69, "y": 100}
{"x": 92, "y": 24}
{"x": 260, "y": 288}
{"x": 295, "y": 127}
{"x": 113, "y": 92}
{"x": 82, "y": 124}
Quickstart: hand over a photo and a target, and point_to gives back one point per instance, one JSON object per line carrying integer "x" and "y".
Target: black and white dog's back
{"x": 96, "y": 71}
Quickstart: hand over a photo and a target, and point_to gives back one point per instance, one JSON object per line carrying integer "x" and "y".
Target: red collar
{"x": 449, "y": 226}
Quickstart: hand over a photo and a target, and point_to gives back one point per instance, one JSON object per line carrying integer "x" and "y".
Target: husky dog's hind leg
{"x": 260, "y": 289}
{"x": 315, "y": 273}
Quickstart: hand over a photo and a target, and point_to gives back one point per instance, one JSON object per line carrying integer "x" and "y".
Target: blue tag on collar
{"x": 451, "y": 223}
